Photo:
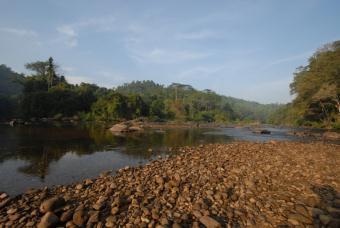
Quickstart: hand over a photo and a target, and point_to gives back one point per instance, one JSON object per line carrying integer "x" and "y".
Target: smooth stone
{"x": 94, "y": 217}
{"x": 48, "y": 220}
{"x": 209, "y": 222}
{"x": 52, "y": 204}
{"x": 300, "y": 218}
{"x": 66, "y": 216}
{"x": 114, "y": 210}
{"x": 79, "y": 217}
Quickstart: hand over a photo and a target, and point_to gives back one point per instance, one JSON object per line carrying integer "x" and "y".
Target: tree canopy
{"x": 317, "y": 90}
{"x": 46, "y": 93}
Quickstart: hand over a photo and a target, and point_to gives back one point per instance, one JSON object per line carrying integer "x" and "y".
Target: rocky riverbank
{"x": 221, "y": 185}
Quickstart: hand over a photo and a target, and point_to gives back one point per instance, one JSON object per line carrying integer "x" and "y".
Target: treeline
{"x": 46, "y": 93}
{"x": 317, "y": 92}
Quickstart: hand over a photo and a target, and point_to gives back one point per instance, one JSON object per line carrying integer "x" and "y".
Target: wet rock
{"x": 52, "y": 204}
{"x": 48, "y": 220}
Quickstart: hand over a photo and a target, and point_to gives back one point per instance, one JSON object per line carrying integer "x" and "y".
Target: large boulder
{"x": 121, "y": 127}
{"x": 127, "y": 126}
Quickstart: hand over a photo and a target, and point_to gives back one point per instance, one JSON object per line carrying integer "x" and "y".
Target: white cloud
{"x": 67, "y": 30}
{"x": 19, "y": 32}
{"x": 69, "y": 33}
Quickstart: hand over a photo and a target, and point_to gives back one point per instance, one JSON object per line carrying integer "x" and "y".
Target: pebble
{"x": 216, "y": 185}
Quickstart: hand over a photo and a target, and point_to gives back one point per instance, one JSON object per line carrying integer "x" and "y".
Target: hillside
{"x": 9, "y": 79}
{"x": 238, "y": 109}
{"x": 45, "y": 96}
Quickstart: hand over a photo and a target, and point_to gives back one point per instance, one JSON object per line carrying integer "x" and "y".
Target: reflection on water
{"x": 44, "y": 156}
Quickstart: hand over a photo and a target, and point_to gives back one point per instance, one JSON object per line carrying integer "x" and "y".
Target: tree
{"x": 51, "y": 74}
{"x": 317, "y": 86}
{"x": 39, "y": 68}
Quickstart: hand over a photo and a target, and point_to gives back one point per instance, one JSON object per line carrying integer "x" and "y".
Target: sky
{"x": 247, "y": 49}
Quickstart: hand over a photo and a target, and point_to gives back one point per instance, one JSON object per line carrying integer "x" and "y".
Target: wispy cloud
{"x": 200, "y": 35}
{"x": 166, "y": 56}
{"x": 291, "y": 58}
{"x": 19, "y": 32}
{"x": 69, "y": 33}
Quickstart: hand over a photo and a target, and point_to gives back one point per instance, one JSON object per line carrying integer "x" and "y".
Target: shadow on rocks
{"x": 327, "y": 212}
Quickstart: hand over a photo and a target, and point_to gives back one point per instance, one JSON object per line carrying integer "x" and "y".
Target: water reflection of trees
{"x": 40, "y": 146}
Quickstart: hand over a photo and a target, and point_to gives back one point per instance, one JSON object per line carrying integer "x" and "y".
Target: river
{"x": 32, "y": 157}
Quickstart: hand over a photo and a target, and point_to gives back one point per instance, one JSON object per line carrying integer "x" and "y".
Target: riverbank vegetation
{"x": 317, "y": 92}
{"x": 45, "y": 93}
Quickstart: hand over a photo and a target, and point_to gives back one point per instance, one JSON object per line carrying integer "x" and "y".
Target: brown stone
{"x": 209, "y": 222}
{"x": 48, "y": 220}
{"x": 52, "y": 204}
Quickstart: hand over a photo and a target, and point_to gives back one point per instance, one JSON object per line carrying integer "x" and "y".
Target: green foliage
{"x": 183, "y": 102}
{"x": 46, "y": 93}
{"x": 9, "y": 82}
{"x": 317, "y": 90}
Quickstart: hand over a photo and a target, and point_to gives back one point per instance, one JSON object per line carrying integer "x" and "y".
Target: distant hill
{"x": 9, "y": 81}
{"x": 241, "y": 109}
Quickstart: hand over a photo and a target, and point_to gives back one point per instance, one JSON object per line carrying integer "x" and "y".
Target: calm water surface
{"x": 46, "y": 156}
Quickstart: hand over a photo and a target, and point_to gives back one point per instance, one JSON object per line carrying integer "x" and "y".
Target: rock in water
{"x": 209, "y": 222}
{"x": 52, "y": 204}
{"x": 48, "y": 220}
{"x": 119, "y": 128}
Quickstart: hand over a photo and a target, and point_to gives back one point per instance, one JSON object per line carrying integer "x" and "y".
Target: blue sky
{"x": 246, "y": 49}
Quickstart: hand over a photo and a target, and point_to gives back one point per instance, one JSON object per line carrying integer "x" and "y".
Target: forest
{"x": 45, "y": 93}
{"x": 317, "y": 92}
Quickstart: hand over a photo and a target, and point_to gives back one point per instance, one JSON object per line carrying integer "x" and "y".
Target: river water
{"x": 32, "y": 157}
